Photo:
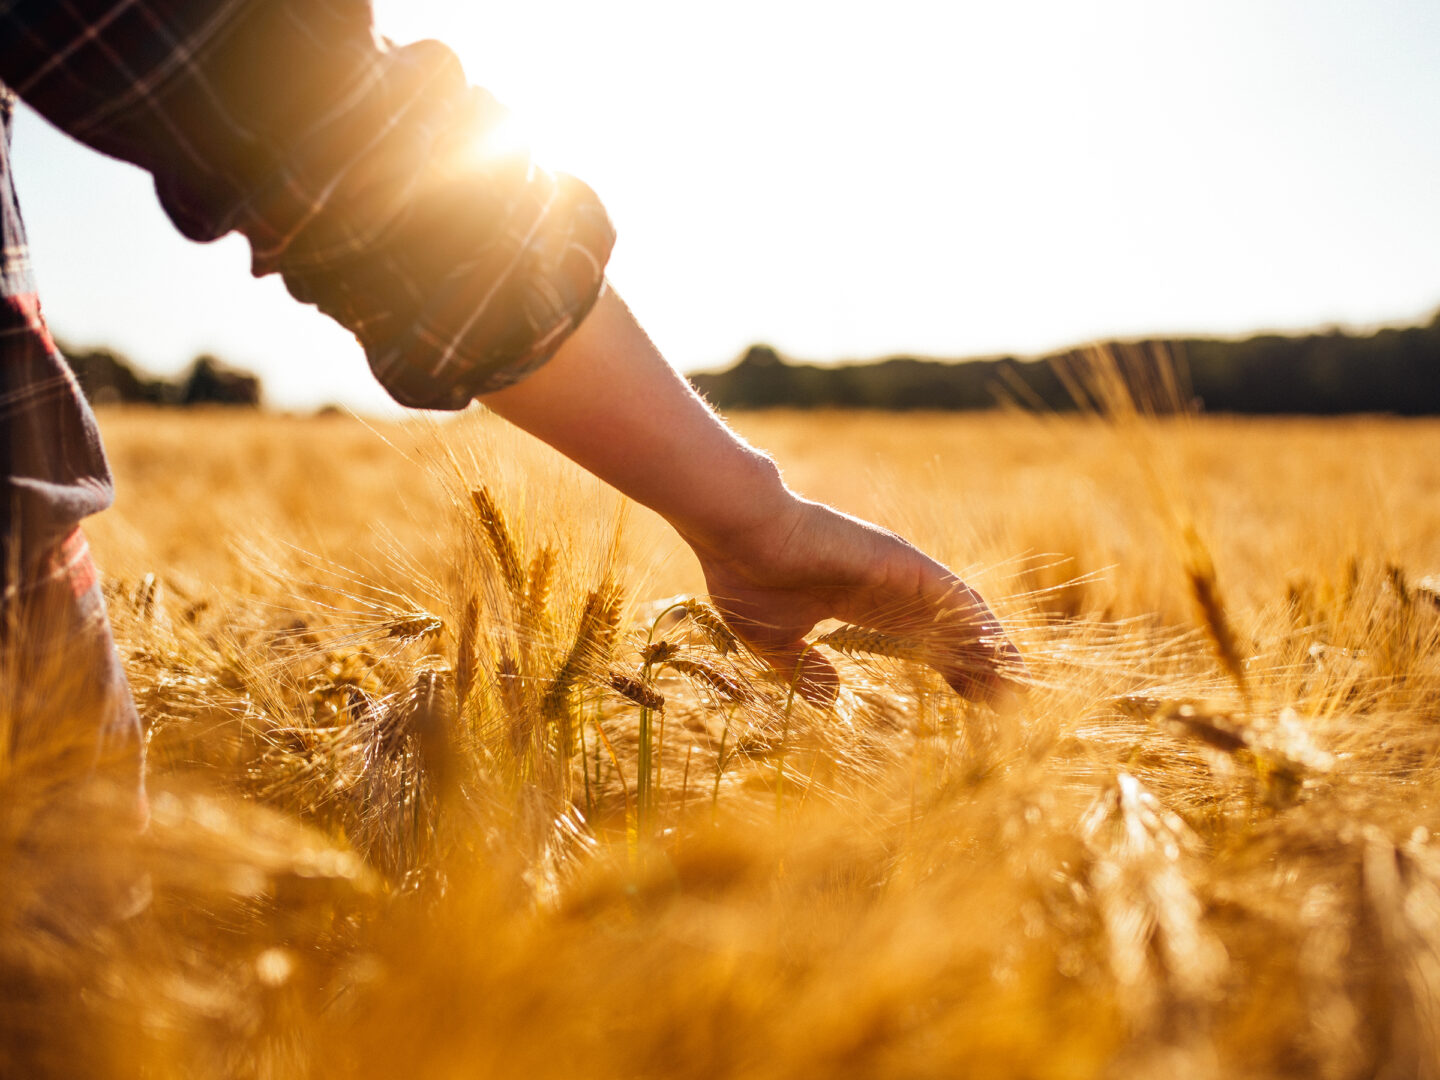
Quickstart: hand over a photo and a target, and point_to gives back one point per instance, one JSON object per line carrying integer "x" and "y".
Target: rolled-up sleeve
{"x": 371, "y": 177}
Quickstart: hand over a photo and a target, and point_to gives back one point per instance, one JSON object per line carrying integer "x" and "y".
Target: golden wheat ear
{"x": 1205, "y": 589}
{"x": 538, "y": 582}
{"x": 636, "y": 690}
{"x": 725, "y": 685}
{"x": 713, "y": 625}
{"x": 499, "y": 540}
{"x": 859, "y": 640}
{"x": 465, "y": 650}
{"x": 408, "y": 626}
{"x": 984, "y": 670}
{"x": 590, "y": 650}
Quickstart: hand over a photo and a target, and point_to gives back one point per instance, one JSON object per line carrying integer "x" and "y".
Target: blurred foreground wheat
{"x": 454, "y": 776}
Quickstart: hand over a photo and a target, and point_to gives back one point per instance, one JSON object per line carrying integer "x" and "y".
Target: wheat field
{"x": 454, "y": 774}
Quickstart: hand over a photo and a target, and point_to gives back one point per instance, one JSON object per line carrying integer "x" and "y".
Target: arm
{"x": 775, "y": 564}
{"x": 360, "y": 172}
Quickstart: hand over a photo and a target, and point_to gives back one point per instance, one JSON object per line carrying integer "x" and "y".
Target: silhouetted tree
{"x": 1390, "y": 371}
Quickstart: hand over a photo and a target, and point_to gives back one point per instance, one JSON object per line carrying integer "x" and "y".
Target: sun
{"x": 548, "y": 85}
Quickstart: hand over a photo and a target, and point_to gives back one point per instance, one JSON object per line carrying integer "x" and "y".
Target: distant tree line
{"x": 1389, "y": 371}
{"x": 109, "y": 378}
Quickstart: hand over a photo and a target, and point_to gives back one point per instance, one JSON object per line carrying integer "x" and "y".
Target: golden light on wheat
{"x": 455, "y": 772}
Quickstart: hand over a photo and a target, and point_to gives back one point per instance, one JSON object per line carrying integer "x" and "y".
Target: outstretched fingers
{"x": 971, "y": 650}
{"x": 946, "y": 624}
{"x": 831, "y": 566}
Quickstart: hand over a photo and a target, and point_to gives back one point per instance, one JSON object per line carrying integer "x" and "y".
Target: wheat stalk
{"x": 537, "y": 588}
{"x": 465, "y": 651}
{"x": 1428, "y": 587}
{"x": 1215, "y": 728}
{"x": 714, "y": 626}
{"x": 725, "y": 685}
{"x": 641, "y": 693}
{"x": 594, "y": 639}
{"x": 1281, "y": 748}
{"x": 1160, "y": 951}
{"x": 501, "y": 544}
{"x": 428, "y": 719}
{"x": 510, "y": 684}
{"x": 1205, "y": 589}
{"x": 1395, "y": 578}
{"x": 657, "y": 652}
{"x": 145, "y": 596}
{"x": 852, "y": 640}
{"x": 413, "y": 625}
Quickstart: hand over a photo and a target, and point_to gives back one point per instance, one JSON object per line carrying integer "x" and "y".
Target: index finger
{"x": 973, "y": 653}
{"x": 945, "y": 624}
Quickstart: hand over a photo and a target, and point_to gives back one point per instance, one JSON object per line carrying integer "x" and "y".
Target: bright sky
{"x": 940, "y": 177}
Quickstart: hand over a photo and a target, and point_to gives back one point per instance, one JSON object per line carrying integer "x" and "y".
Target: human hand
{"x": 774, "y": 563}
{"x": 811, "y": 562}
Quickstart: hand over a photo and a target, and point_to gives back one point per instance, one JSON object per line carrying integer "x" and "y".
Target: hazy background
{"x": 941, "y": 178}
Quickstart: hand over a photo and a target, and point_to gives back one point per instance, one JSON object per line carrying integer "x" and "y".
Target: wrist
{"x": 738, "y": 513}
{"x": 609, "y": 401}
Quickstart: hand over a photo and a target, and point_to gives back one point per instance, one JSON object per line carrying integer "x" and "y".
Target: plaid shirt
{"x": 357, "y": 170}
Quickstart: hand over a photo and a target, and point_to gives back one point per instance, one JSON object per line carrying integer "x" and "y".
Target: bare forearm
{"x": 774, "y": 563}
{"x": 610, "y": 402}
